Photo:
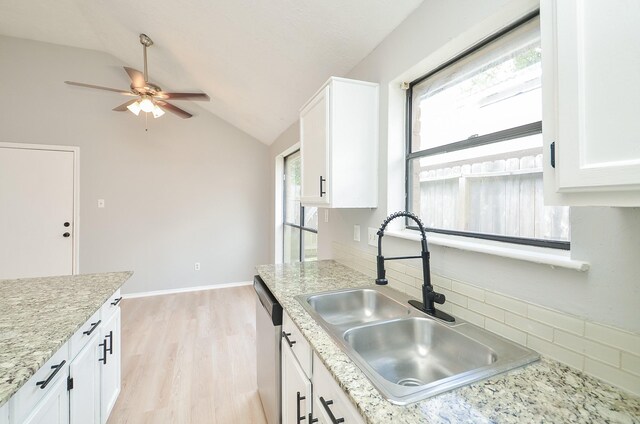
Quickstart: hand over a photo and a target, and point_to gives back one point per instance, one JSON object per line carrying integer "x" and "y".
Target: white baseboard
{"x": 186, "y": 289}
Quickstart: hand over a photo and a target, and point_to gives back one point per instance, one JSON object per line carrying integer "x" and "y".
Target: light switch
{"x": 101, "y": 203}
{"x": 372, "y": 238}
{"x": 356, "y": 233}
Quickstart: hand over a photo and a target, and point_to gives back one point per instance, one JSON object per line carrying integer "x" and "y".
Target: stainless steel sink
{"x": 408, "y": 355}
{"x": 352, "y": 307}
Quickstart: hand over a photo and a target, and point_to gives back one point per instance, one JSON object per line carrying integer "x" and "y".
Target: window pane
{"x": 311, "y": 218}
{"x": 310, "y": 241}
{"x": 494, "y": 88}
{"x": 492, "y": 189}
{"x": 292, "y": 188}
{"x": 291, "y": 244}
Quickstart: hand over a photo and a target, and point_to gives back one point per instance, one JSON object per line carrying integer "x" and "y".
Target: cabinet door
{"x": 110, "y": 365}
{"x": 592, "y": 100}
{"x": 4, "y": 413}
{"x": 314, "y": 147}
{"x": 330, "y": 403}
{"x": 296, "y": 389}
{"x": 54, "y": 407}
{"x": 84, "y": 397}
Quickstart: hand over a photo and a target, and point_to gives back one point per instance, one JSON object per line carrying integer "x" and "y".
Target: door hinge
{"x": 552, "y": 150}
{"x": 69, "y": 383}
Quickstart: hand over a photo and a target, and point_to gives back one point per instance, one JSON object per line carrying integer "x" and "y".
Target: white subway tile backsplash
{"x": 507, "y": 303}
{"x": 613, "y": 337}
{"x": 605, "y": 352}
{"x": 559, "y": 353}
{"x": 486, "y": 310}
{"x": 505, "y": 331}
{"x": 467, "y": 290}
{"x": 612, "y": 375}
{"x": 556, "y": 319}
{"x": 529, "y": 326}
{"x": 587, "y": 347}
{"x": 631, "y": 363}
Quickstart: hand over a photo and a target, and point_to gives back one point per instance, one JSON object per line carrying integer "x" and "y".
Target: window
{"x": 474, "y": 150}
{"x": 300, "y": 238}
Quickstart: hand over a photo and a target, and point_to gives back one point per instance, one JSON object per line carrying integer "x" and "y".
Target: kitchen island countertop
{"x": 543, "y": 392}
{"x": 38, "y": 315}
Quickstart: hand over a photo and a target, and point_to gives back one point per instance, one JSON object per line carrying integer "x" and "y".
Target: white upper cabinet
{"x": 591, "y": 101}
{"x": 339, "y": 145}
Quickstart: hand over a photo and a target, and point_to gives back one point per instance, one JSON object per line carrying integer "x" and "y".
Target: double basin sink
{"x": 408, "y": 355}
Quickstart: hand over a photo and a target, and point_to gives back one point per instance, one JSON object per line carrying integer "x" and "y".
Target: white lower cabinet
{"x": 110, "y": 364}
{"x": 330, "y": 404}
{"x": 296, "y": 389}
{"x": 4, "y": 413}
{"x": 54, "y": 407}
{"x": 84, "y": 377}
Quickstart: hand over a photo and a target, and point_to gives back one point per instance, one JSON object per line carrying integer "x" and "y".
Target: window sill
{"x": 553, "y": 257}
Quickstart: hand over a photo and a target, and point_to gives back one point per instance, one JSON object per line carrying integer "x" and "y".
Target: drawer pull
{"x": 56, "y": 369}
{"x": 322, "y": 180}
{"x": 325, "y": 405}
{"x": 116, "y": 301}
{"x": 104, "y": 352}
{"x": 298, "y": 417}
{"x": 110, "y": 348}
{"x": 94, "y": 325}
{"x": 286, "y": 337}
{"x": 311, "y": 419}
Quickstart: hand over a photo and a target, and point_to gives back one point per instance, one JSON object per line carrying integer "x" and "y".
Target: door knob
{"x": 66, "y": 224}
{"x": 66, "y": 235}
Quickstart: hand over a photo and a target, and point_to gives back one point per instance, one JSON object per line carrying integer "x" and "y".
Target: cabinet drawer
{"x": 329, "y": 399}
{"x": 84, "y": 333}
{"x": 299, "y": 345}
{"x": 55, "y": 369}
{"x": 110, "y": 306}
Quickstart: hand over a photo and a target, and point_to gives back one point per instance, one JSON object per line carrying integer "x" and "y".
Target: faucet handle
{"x": 437, "y": 297}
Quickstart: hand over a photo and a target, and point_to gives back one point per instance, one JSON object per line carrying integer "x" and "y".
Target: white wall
{"x": 186, "y": 191}
{"x": 606, "y": 237}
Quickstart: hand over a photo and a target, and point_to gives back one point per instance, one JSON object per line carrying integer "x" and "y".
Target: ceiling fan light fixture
{"x": 135, "y": 108}
{"x": 146, "y": 105}
{"x": 157, "y": 112}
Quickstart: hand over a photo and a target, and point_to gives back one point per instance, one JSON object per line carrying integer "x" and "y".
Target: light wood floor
{"x": 189, "y": 358}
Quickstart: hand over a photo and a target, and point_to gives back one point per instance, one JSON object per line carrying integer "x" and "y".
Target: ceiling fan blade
{"x": 123, "y": 107}
{"x": 115, "y": 90}
{"x": 137, "y": 77}
{"x": 184, "y": 96}
{"x": 173, "y": 109}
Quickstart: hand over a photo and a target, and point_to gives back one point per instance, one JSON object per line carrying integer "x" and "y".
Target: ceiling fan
{"x": 148, "y": 96}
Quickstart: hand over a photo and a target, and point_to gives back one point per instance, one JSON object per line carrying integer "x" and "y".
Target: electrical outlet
{"x": 372, "y": 236}
{"x": 101, "y": 203}
{"x": 197, "y": 266}
{"x": 356, "y": 233}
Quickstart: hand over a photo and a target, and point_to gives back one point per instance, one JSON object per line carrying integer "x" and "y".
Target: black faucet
{"x": 429, "y": 297}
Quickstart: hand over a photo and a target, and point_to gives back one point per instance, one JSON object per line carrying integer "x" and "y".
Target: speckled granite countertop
{"x": 38, "y": 315}
{"x": 543, "y": 392}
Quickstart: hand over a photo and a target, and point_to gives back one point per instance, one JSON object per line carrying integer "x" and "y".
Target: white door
{"x": 36, "y": 212}
{"x": 110, "y": 355}
{"x": 314, "y": 127}
{"x": 296, "y": 389}
{"x": 54, "y": 407}
{"x": 84, "y": 397}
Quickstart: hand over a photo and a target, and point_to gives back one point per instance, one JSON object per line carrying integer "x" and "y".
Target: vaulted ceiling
{"x": 259, "y": 60}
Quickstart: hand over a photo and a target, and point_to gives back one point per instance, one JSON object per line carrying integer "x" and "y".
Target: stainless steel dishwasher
{"x": 268, "y": 330}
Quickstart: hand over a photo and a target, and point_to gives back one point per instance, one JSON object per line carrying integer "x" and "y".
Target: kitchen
{"x": 170, "y": 194}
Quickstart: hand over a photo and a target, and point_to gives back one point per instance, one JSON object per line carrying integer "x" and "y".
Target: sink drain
{"x": 411, "y": 382}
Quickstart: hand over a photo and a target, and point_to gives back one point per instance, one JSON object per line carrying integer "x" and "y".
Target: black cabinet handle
{"x": 322, "y": 180}
{"x": 110, "y": 348}
{"x": 94, "y": 325}
{"x": 104, "y": 352}
{"x": 311, "y": 419}
{"x": 299, "y": 418}
{"x": 66, "y": 234}
{"x": 56, "y": 369}
{"x": 115, "y": 302}
{"x": 286, "y": 337}
{"x": 325, "y": 405}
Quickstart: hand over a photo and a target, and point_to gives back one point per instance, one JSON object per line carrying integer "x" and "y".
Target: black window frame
{"x": 495, "y": 137}
{"x": 285, "y": 224}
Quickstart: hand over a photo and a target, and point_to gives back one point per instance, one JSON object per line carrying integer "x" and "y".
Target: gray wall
{"x": 184, "y": 191}
{"x": 606, "y": 237}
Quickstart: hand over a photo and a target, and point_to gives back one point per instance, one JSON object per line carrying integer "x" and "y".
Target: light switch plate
{"x": 372, "y": 236}
{"x": 356, "y": 233}
{"x": 101, "y": 203}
